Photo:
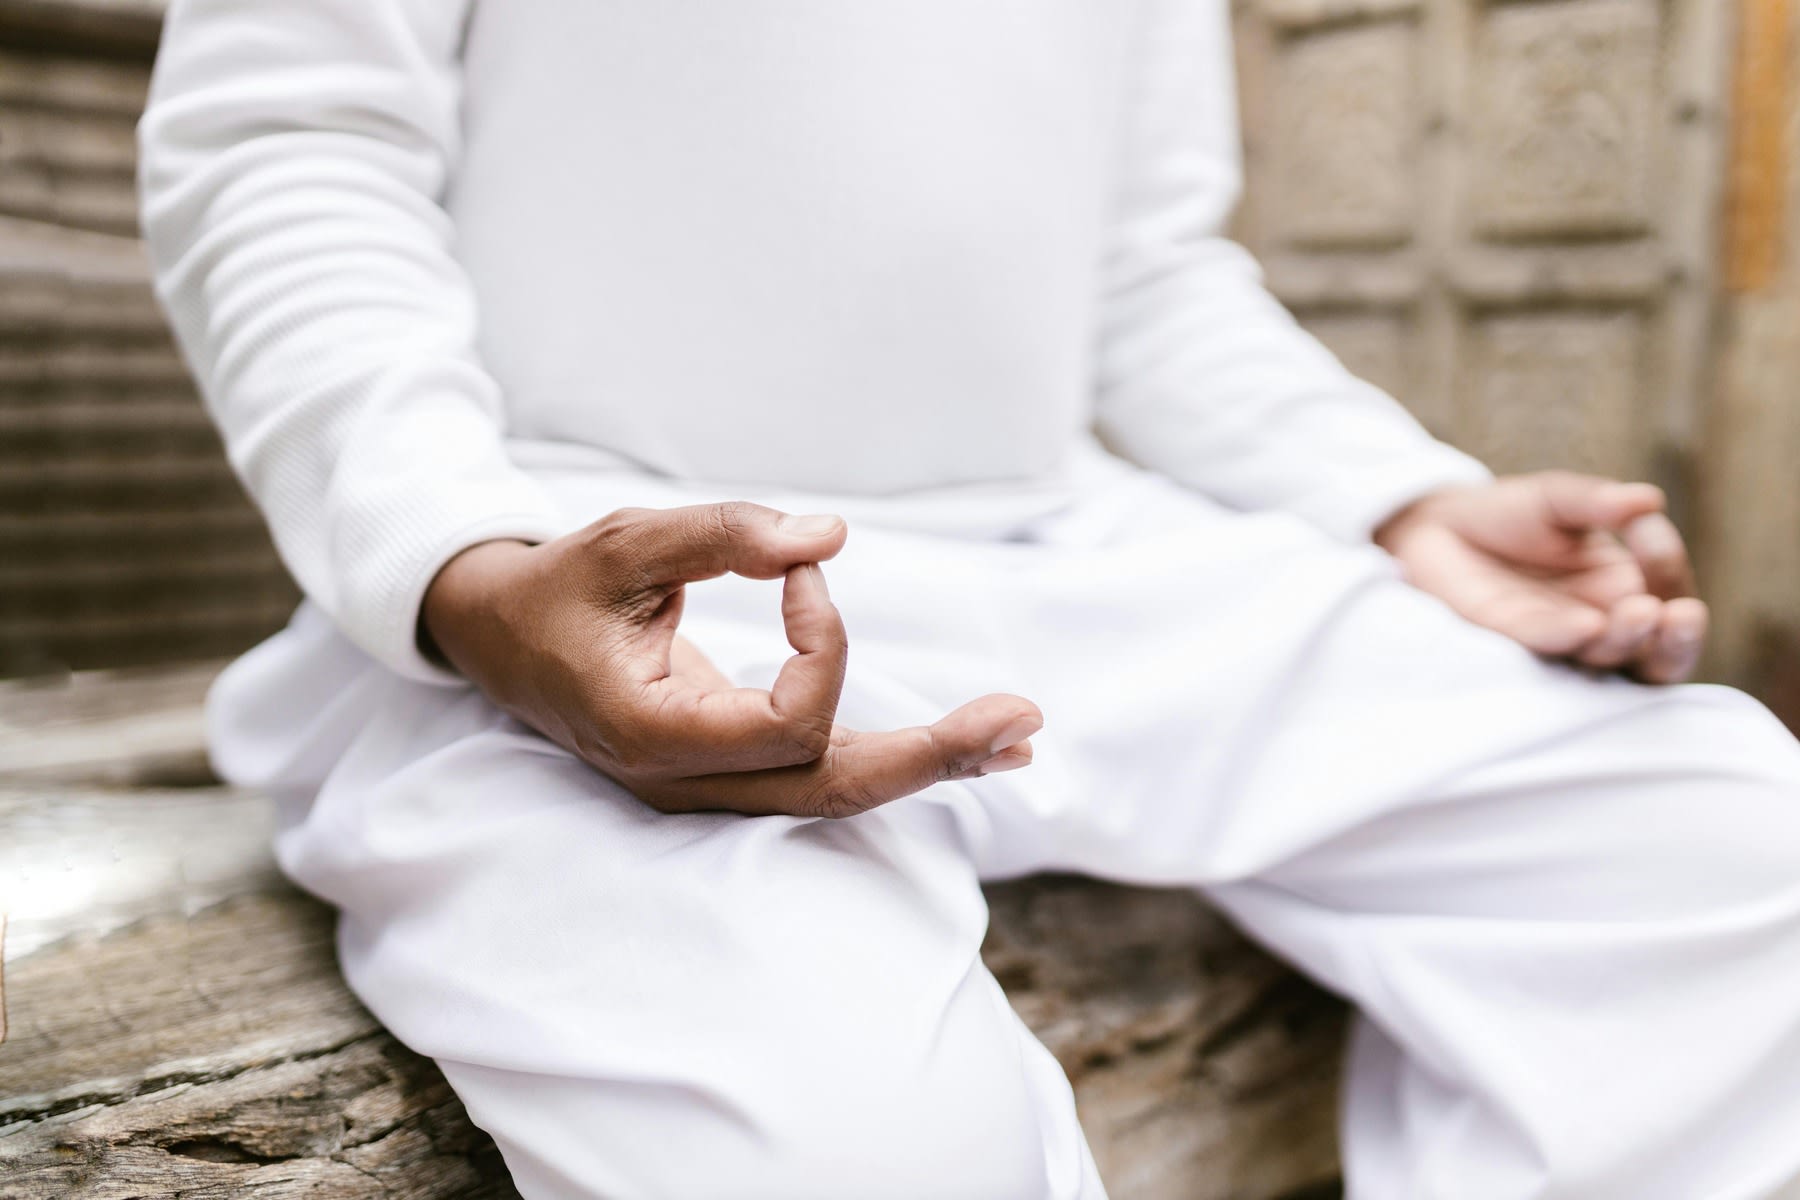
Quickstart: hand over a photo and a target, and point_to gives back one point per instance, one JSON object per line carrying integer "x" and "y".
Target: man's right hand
{"x": 577, "y": 638}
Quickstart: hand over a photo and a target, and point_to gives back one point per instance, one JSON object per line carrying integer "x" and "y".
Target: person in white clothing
{"x": 518, "y": 319}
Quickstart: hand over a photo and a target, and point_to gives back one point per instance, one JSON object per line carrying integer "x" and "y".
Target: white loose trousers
{"x": 1568, "y": 907}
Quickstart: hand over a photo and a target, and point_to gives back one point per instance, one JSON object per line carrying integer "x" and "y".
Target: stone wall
{"x": 1502, "y": 212}
{"x": 1510, "y": 213}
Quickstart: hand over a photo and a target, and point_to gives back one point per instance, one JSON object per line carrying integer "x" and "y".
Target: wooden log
{"x": 219, "y": 1055}
{"x": 179, "y": 1026}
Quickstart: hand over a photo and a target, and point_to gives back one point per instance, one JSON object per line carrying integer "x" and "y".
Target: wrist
{"x": 462, "y": 598}
{"x": 1422, "y": 511}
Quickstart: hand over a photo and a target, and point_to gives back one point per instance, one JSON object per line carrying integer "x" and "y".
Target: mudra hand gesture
{"x": 577, "y": 638}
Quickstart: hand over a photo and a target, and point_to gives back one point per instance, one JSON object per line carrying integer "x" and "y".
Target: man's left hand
{"x": 1591, "y": 570}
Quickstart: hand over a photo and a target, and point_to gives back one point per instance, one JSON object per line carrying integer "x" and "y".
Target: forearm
{"x": 1202, "y": 374}
{"x": 292, "y": 157}
{"x": 1207, "y": 379}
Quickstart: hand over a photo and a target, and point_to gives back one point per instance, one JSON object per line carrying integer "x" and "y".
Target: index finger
{"x": 740, "y": 729}
{"x": 670, "y": 546}
{"x": 680, "y": 729}
{"x": 1582, "y": 502}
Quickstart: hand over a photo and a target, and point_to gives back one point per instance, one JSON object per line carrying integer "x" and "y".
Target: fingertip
{"x": 1686, "y": 620}
{"x": 822, "y": 533}
{"x": 1587, "y": 502}
{"x": 1644, "y": 496}
{"x": 1022, "y": 719}
{"x": 1620, "y": 504}
{"x": 1652, "y": 535}
{"x": 1688, "y": 609}
{"x": 808, "y": 580}
{"x": 1631, "y": 626}
{"x": 1680, "y": 637}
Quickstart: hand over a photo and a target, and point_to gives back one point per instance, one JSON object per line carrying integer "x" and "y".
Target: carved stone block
{"x": 1565, "y": 118}
{"x": 1344, "y": 144}
{"x": 1555, "y": 390}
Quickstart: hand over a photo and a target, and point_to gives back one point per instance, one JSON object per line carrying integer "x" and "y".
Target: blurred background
{"x": 1557, "y": 229}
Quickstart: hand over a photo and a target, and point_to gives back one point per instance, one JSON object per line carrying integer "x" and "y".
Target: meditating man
{"x": 519, "y": 317}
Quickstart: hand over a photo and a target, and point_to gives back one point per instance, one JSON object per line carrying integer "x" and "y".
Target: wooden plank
{"x": 72, "y": 84}
{"x": 63, "y": 143}
{"x": 201, "y": 630}
{"x": 199, "y": 615}
{"x": 66, "y": 363}
{"x": 161, "y": 485}
{"x": 104, "y": 202}
{"x": 79, "y": 538}
{"x": 28, "y": 707}
{"x": 40, "y": 304}
{"x": 53, "y": 251}
{"x": 113, "y": 729}
{"x": 168, "y": 580}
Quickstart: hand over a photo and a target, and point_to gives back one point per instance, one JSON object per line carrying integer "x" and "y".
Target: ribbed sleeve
{"x": 1202, "y": 374}
{"x": 294, "y": 156}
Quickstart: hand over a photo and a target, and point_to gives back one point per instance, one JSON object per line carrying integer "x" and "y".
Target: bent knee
{"x": 828, "y": 1126}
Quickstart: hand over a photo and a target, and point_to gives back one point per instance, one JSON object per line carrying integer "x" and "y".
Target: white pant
{"x": 1568, "y": 907}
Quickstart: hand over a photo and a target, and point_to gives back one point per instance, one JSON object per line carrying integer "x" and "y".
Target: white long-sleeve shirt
{"x": 415, "y": 250}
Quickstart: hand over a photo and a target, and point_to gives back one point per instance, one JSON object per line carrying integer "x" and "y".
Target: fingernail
{"x": 818, "y": 579}
{"x": 1020, "y": 729}
{"x": 815, "y": 525}
{"x": 1651, "y": 526}
{"x": 1002, "y": 762}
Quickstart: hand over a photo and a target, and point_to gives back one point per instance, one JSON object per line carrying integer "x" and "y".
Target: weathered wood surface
{"x": 178, "y": 1025}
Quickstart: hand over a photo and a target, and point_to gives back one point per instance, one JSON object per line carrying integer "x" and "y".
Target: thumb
{"x": 1583, "y": 502}
{"x": 673, "y": 546}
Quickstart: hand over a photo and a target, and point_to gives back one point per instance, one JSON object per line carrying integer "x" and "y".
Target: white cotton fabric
{"x": 449, "y": 273}
{"x": 910, "y": 250}
{"x": 1568, "y": 907}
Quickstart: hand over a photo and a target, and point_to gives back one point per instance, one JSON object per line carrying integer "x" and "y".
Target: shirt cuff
{"x": 396, "y": 550}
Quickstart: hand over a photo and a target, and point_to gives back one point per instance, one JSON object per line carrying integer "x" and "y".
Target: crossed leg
{"x": 705, "y": 1005}
{"x": 1569, "y": 908}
